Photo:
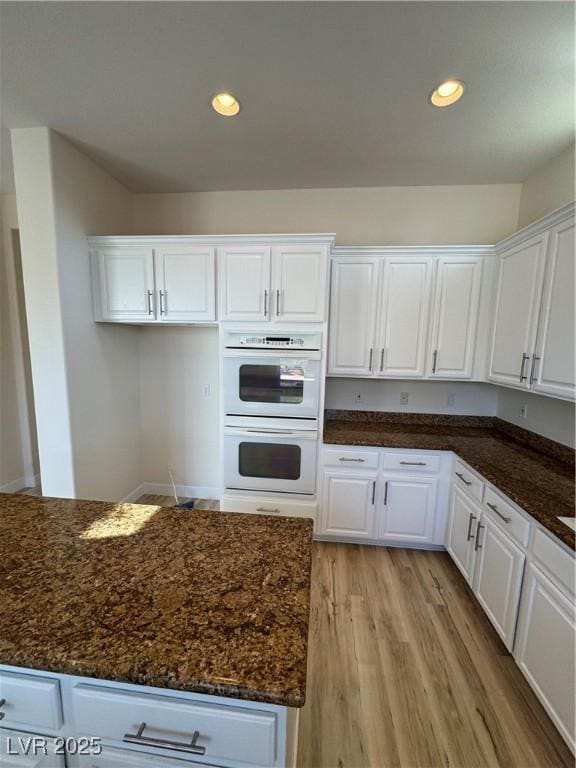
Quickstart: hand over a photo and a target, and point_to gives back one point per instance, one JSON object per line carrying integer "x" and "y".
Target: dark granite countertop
{"x": 541, "y": 481}
{"x": 211, "y": 602}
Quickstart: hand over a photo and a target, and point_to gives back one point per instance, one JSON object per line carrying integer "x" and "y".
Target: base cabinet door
{"x": 408, "y": 506}
{"x": 462, "y": 523}
{"x": 498, "y": 578}
{"x": 348, "y": 505}
{"x": 545, "y": 648}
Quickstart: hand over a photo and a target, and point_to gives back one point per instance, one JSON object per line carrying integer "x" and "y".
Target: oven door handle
{"x": 311, "y": 434}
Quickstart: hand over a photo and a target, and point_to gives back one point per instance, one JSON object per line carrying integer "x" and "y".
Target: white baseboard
{"x": 165, "y": 489}
{"x": 28, "y": 481}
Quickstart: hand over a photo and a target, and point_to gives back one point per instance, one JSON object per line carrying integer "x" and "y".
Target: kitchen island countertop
{"x": 208, "y": 602}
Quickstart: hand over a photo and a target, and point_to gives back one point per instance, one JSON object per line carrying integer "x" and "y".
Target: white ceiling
{"x": 333, "y": 94}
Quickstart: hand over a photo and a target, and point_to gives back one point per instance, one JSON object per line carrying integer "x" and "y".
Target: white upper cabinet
{"x": 185, "y": 279}
{"x": 404, "y": 312}
{"x": 516, "y": 314}
{"x": 245, "y": 283}
{"x": 552, "y": 368}
{"x": 123, "y": 282}
{"x": 353, "y": 290}
{"x": 455, "y": 317}
{"x": 299, "y": 281}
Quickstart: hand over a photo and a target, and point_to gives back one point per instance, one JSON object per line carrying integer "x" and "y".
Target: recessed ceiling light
{"x": 448, "y": 92}
{"x": 225, "y": 104}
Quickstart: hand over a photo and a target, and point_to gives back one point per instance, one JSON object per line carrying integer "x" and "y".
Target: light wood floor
{"x": 405, "y": 670}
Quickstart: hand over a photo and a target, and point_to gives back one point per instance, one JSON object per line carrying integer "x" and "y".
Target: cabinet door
{"x": 348, "y": 504}
{"x": 186, "y": 284}
{"x": 244, "y": 283}
{"x": 498, "y": 578}
{"x": 408, "y": 507}
{"x": 353, "y": 293}
{"x": 299, "y": 283}
{"x": 455, "y": 317}
{"x": 403, "y": 325}
{"x": 460, "y": 536}
{"x": 544, "y": 648}
{"x": 521, "y": 271}
{"x": 554, "y": 364}
{"x": 125, "y": 278}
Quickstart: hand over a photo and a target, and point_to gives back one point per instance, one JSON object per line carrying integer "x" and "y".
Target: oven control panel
{"x": 273, "y": 341}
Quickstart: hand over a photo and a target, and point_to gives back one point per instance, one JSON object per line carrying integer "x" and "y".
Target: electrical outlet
{"x": 451, "y": 399}
{"x": 357, "y": 397}
{"x": 207, "y": 390}
{"x": 524, "y": 410}
{"x": 404, "y": 396}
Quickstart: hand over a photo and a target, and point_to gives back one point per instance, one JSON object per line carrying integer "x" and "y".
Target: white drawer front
{"x": 30, "y": 700}
{"x": 557, "y": 562}
{"x": 499, "y": 510}
{"x": 110, "y": 757}
{"x": 269, "y": 507}
{"x": 227, "y": 733}
{"x": 412, "y": 462}
{"x": 468, "y": 481}
{"x": 345, "y": 458}
{"x": 28, "y": 750}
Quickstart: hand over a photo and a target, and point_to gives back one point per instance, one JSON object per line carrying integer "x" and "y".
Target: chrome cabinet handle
{"x": 535, "y": 359}
{"x": 525, "y": 358}
{"x": 149, "y": 295}
{"x": 386, "y": 493}
{"x": 277, "y": 303}
{"x": 265, "y": 303}
{"x": 471, "y": 519}
{"x": 175, "y": 746}
{"x": 434, "y": 360}
{"x": 370, "y": 361}
{"x": 275, "y": 511}
{"x": 477, "y": 544}
{"x": 373, "y": 491}
{"x": 161, "y": 295}
{"x": 381, "y": 359}
{"x": 2, "y": 714}
{"x": 344, "y": 458}
{"x": 494, "y": 508}
{"x": 466, "y": 482}
{"x": 413, "y": 463}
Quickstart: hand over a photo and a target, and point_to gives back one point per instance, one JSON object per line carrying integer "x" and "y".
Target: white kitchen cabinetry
{"x": 349, "y": 505}
{"x": 552, "y": 370}
{"x": 123, "y": 281}
{"x": 408, "y": 509}
{"x": 353, "y": 296}
{"x": 455, "y": 317}
{"x": 461, "y": 534}
{"x": 185, "y": 280}
{"x": 282, "y": 283}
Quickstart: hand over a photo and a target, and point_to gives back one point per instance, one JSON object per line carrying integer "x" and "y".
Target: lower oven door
{"x": 266, "y": 460}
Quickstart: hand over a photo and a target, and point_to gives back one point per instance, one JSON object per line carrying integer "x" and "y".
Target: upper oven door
{"x": 271, "y": 383}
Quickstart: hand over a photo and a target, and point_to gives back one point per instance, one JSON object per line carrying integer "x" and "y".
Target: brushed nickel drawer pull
{"x": 344, "y": 458}
{"x": 533, "y": 376}
{"x": 381, "y": 359}
{"x": 525, "y": 359}
{"x": 269, "y": 511}
{"x": 414, "y": 463}
{"x": 477, "y": 544}
{"x": 466, "y": 482}
{"x": 149, "y": 297}
{"x": 494, "y": 508}
{"x": 175, "y": 746}
{"x": 386, "y": 493}
{"x": 161, "y": 295}
{"x": 2, "y": 714}
{"x": 373, "y": 491}
{"x": 371, "y": 358}
{"x": 277, "y": 303}
{"x": 434, "y": 360}
{"x": 265, "y": 303}
{"x": 471, "y": 519}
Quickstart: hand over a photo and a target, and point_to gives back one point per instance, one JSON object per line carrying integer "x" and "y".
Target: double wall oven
{"x": 271, "y": 400}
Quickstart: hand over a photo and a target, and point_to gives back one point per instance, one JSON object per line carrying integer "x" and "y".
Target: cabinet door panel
{"x": 299, "y": 283}
{"x": 348, "y": 505}
{"x": 244, "y": 283}
{"x": 544, "y": 648}
{"x": 409, "y": 504}
{"x": 554, "y": 370}
{"x": 352, "y": 316}
{"x": 403, "y": 325}
{"x": 455, "y": 317}
{"x": 498, "y": 579}
{"x": 126, "y": 282}
{"x": 518, "y": 298}
{"x": 185, "y": 276}
{"x": 460, "y": 536}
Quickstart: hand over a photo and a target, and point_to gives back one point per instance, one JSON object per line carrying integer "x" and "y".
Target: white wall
{"x": 423, "y": 396}
{"x": 545, "y": 416}
{"x": 362, "y": 216}
{"x": 549, "y": 188}
{"x": 85, "y": 375}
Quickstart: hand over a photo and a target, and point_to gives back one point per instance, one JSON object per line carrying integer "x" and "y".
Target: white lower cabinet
{"x": 349, "y": 502}
{"x": 408, "y": 509}
{"x": 110, "y": 757}
{"x": 460, "y": 539}
{"x": 498, "y": 578}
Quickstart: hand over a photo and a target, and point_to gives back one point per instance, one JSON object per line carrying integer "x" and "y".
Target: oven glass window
{"x": 272, "y": 383}
{"x": 274, "y": 460}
